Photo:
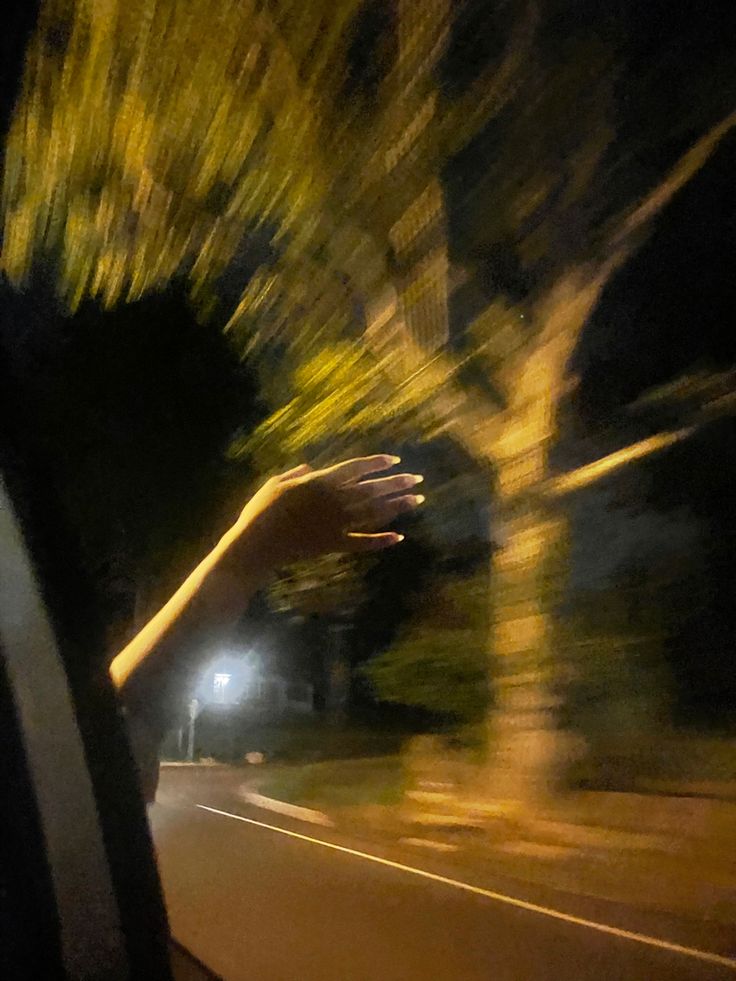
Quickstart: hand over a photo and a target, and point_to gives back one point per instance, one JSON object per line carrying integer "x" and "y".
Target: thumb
{"x": 372, "y": 543}
{"x": 299, "y": 471}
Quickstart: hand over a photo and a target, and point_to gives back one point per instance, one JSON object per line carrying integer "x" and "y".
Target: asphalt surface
{"x": 265, "y": 899}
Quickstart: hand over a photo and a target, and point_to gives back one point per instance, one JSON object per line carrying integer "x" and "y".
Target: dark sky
{"x": 671, "y": 309}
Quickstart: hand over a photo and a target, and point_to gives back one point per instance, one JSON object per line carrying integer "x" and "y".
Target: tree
{"x": 351, "y": 171}
{"x": 439, "y": 663}
{"x": 576, "y": 223}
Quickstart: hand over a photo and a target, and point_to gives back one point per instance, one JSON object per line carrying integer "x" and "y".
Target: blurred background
{"x": 495, "y": 238}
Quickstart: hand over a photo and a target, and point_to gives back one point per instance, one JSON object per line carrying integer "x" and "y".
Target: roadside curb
{"x": 288, "y": 810}
{"x": 191, "y": 763}
{"x": 437, "y": 846}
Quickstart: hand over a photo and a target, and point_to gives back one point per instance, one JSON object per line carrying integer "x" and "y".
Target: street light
{"x": 193, "y": 712}
{"x": 226, "y": 678}
{"x": 223, "y": 682}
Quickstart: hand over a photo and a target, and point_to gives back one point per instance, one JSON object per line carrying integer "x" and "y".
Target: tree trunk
{"x": 526, "y": 747}
{"x": 338, "y": 677}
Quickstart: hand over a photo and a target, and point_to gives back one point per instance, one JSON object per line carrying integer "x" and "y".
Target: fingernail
{"x": 394, "y": 459}
{"x": 417, "y": 478}
{"x": 419, "y": 498}
{"x": 399, "y": 538}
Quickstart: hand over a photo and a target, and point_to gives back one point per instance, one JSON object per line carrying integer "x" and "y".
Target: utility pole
{"x": 193, "y": 707}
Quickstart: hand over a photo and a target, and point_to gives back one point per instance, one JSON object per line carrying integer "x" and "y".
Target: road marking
{"x": 642, "y": 938}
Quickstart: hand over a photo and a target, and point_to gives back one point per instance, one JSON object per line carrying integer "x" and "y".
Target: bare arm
{"x": 299, "y": 514}
{"x": 213, "y": 596}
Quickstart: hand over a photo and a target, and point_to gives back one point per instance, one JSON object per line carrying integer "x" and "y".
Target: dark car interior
{"x": 80, "y": 890}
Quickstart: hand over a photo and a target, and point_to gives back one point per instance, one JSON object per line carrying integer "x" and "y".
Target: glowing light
{"x": 226, "y": 679}
{"x": 219, "y": 684}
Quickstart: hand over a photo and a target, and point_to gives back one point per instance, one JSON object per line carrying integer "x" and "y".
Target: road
{"x": 259, "y": 897}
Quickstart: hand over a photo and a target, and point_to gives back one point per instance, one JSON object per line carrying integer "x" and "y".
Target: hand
{"x": 305, "y": 513}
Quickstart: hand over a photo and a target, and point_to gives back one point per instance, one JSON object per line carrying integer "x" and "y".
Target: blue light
{"x": 226, "y": 679}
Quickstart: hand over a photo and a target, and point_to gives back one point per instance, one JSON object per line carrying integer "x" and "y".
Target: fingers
{"x": 382, "y": 512}
{"x": 351, "y": 470}
{"x": 357, "y": 542}
{"x": 368, "y": 490}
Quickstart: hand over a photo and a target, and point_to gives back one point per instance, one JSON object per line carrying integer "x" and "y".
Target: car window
{"x": 52, "y": 755}
{"x": 60, "y": 915}
{"x": 29, "y": 927}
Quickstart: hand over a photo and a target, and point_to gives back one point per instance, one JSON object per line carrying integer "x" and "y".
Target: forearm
{"x": 211, "y": 599}
{"x": 299, "y": 514}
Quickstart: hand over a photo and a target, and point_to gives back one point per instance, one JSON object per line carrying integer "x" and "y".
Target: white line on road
{"x": 642, "y": 938}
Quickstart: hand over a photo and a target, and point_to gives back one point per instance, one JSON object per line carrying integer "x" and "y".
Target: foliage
{"x": 620, "y": 679}
{"x": 624, "y": 608}
{"x": 133, "y": 171}
{"x": 309, "y": 153}
{"x": 440, "y": 662}
{"x": 136, "y": 170}
{"x": 332, "y": 584}
{"x": 340, "y": 397}
{"x": 341, "y": 404}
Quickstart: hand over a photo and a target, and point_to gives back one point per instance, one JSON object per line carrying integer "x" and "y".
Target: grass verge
{"x": 337, "y": 783}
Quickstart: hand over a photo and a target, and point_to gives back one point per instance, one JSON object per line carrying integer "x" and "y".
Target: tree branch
{"x": 623, "y": 241}
{"x": 722, "y": 404}
{"x": 591, "y": 472}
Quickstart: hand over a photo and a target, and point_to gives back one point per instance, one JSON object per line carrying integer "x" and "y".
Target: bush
{"x": 440, "y": 662}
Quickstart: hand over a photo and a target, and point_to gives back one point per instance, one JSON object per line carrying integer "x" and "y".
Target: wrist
{"x": 249, "y": 551}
